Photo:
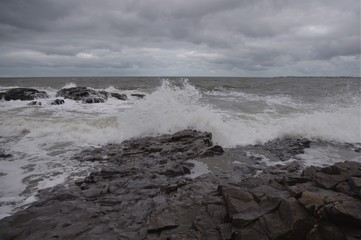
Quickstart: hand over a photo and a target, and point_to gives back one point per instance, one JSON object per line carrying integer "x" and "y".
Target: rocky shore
{"x": 145, "y": 190}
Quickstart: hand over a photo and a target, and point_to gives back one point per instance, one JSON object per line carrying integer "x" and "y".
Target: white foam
{"x": 171, "y": 108}
{"x": 69, "y": 85}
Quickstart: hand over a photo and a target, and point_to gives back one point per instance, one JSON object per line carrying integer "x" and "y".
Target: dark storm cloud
{"x": 176, "y": 37}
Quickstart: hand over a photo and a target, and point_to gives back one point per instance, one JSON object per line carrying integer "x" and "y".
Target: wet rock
{"x": 283, "y": 149}
{"x": 23, "y": 94}
{"x": 34, "y": 103}
{"x": 176, "y": 170}
{"x": 119, "y": 96}
{"x": 138, "y": 95}
{"x": 57, "y": 102}
{"x": 83, "y": 94}
{"x": 143, "y": 192}
{"x": 213, "y": 151}
{"x": 161, "y": 220}
{"x": 93, "y": 100}
{"x": 4, "y": 154}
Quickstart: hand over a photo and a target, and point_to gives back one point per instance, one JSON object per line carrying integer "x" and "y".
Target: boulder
{"x": 83, "y": 94}
{"x": 57, "y": 102}
{"x": 23, "y": 94}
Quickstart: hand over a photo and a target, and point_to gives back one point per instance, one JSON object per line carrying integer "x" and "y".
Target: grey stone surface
{"x": 143, "y": 191}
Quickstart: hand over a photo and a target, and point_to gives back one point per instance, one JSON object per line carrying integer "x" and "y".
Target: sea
{"x": 41, "y": 140}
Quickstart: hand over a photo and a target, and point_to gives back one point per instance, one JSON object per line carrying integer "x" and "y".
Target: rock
{"x": 83, "y": 94}
{"x": 286, "y": 148}
{"x": 23, "y": 94}
{"x": 122, "y": 97}
{"x": 176, "y": 170}
{"x": 142, "y": 192}
{"x": 161, "y": 220}
{"x": 34, "y": 103}
{"x": 138, "y": 95}
{"x": 4, "y": 155}
{"x": 57, "y": 102}
{"x": 93, "y": 100}
{"x": 326, "y": 231}
{"x": 212, "y": 151}
{"x": 328, "y": 181}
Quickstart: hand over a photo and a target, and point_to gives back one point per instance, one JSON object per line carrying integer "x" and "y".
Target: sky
{"x": 262, "y": 38}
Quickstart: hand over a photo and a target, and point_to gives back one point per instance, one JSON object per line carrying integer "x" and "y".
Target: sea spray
{"x": 172, "y": 107}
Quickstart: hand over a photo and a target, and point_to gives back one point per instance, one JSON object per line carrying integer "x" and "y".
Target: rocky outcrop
{"x": 83, "y": 94}
{"x": 144, "y": 192}
{"x": 23, "y": 94}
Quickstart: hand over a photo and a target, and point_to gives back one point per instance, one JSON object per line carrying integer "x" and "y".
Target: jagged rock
{"x": 160, "y": 220}
{"x": 83, "y": 94}
{"x": 57, "y": 102}
{"x": 212, "y": 151}
{"x": 143, "y": 192}
{"x": 23, "y": 94}
{"x": 122, "y": 97}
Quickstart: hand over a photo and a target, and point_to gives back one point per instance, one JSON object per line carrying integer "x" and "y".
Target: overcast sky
{"x": 179, "y": 37}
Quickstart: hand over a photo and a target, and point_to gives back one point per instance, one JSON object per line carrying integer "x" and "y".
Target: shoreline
{"x": 145, "y": 192}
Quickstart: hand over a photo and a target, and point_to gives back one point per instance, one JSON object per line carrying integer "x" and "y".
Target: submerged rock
{"x": 138, "y": 95}
{"x": 83, "y": 94}
{"x": 144, "y": 192}
{"x": 57, "y": 102}
{"x": 23, "y": 94}
{"x": 34, "y": 103}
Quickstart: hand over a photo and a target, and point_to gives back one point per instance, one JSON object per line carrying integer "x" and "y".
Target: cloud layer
{"x": 179, "y": 38}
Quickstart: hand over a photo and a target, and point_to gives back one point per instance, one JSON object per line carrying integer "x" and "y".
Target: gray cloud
{"x": 162, "y": 37}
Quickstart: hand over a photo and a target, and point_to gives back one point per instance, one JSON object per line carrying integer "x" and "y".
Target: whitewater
{"x": 41, "y": 140}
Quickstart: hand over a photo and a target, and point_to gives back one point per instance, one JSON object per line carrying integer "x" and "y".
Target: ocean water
{"x": 237, "y": 111}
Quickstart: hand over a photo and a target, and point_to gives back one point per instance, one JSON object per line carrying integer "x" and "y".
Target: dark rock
{"x": 122, "y": 97}
{"x": 93, "y": 100}
{"x": 326, "y": 231}
{"x": 186, "y": 170}
{"x": 5, "y": 155}
{"x": 23, "y": 94}
{"x": 142, "y": 192}
{"x": 328, "y": 181}
{"x": 57, "y": 102}
{"x": 138, "y": 95}
{"x": 34, "y": 103}
{"x": 212, "y": 151}
{"x": 83, "y": 94}
{"x": 286, "y": 148}
{"x": 161, "y": 220}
